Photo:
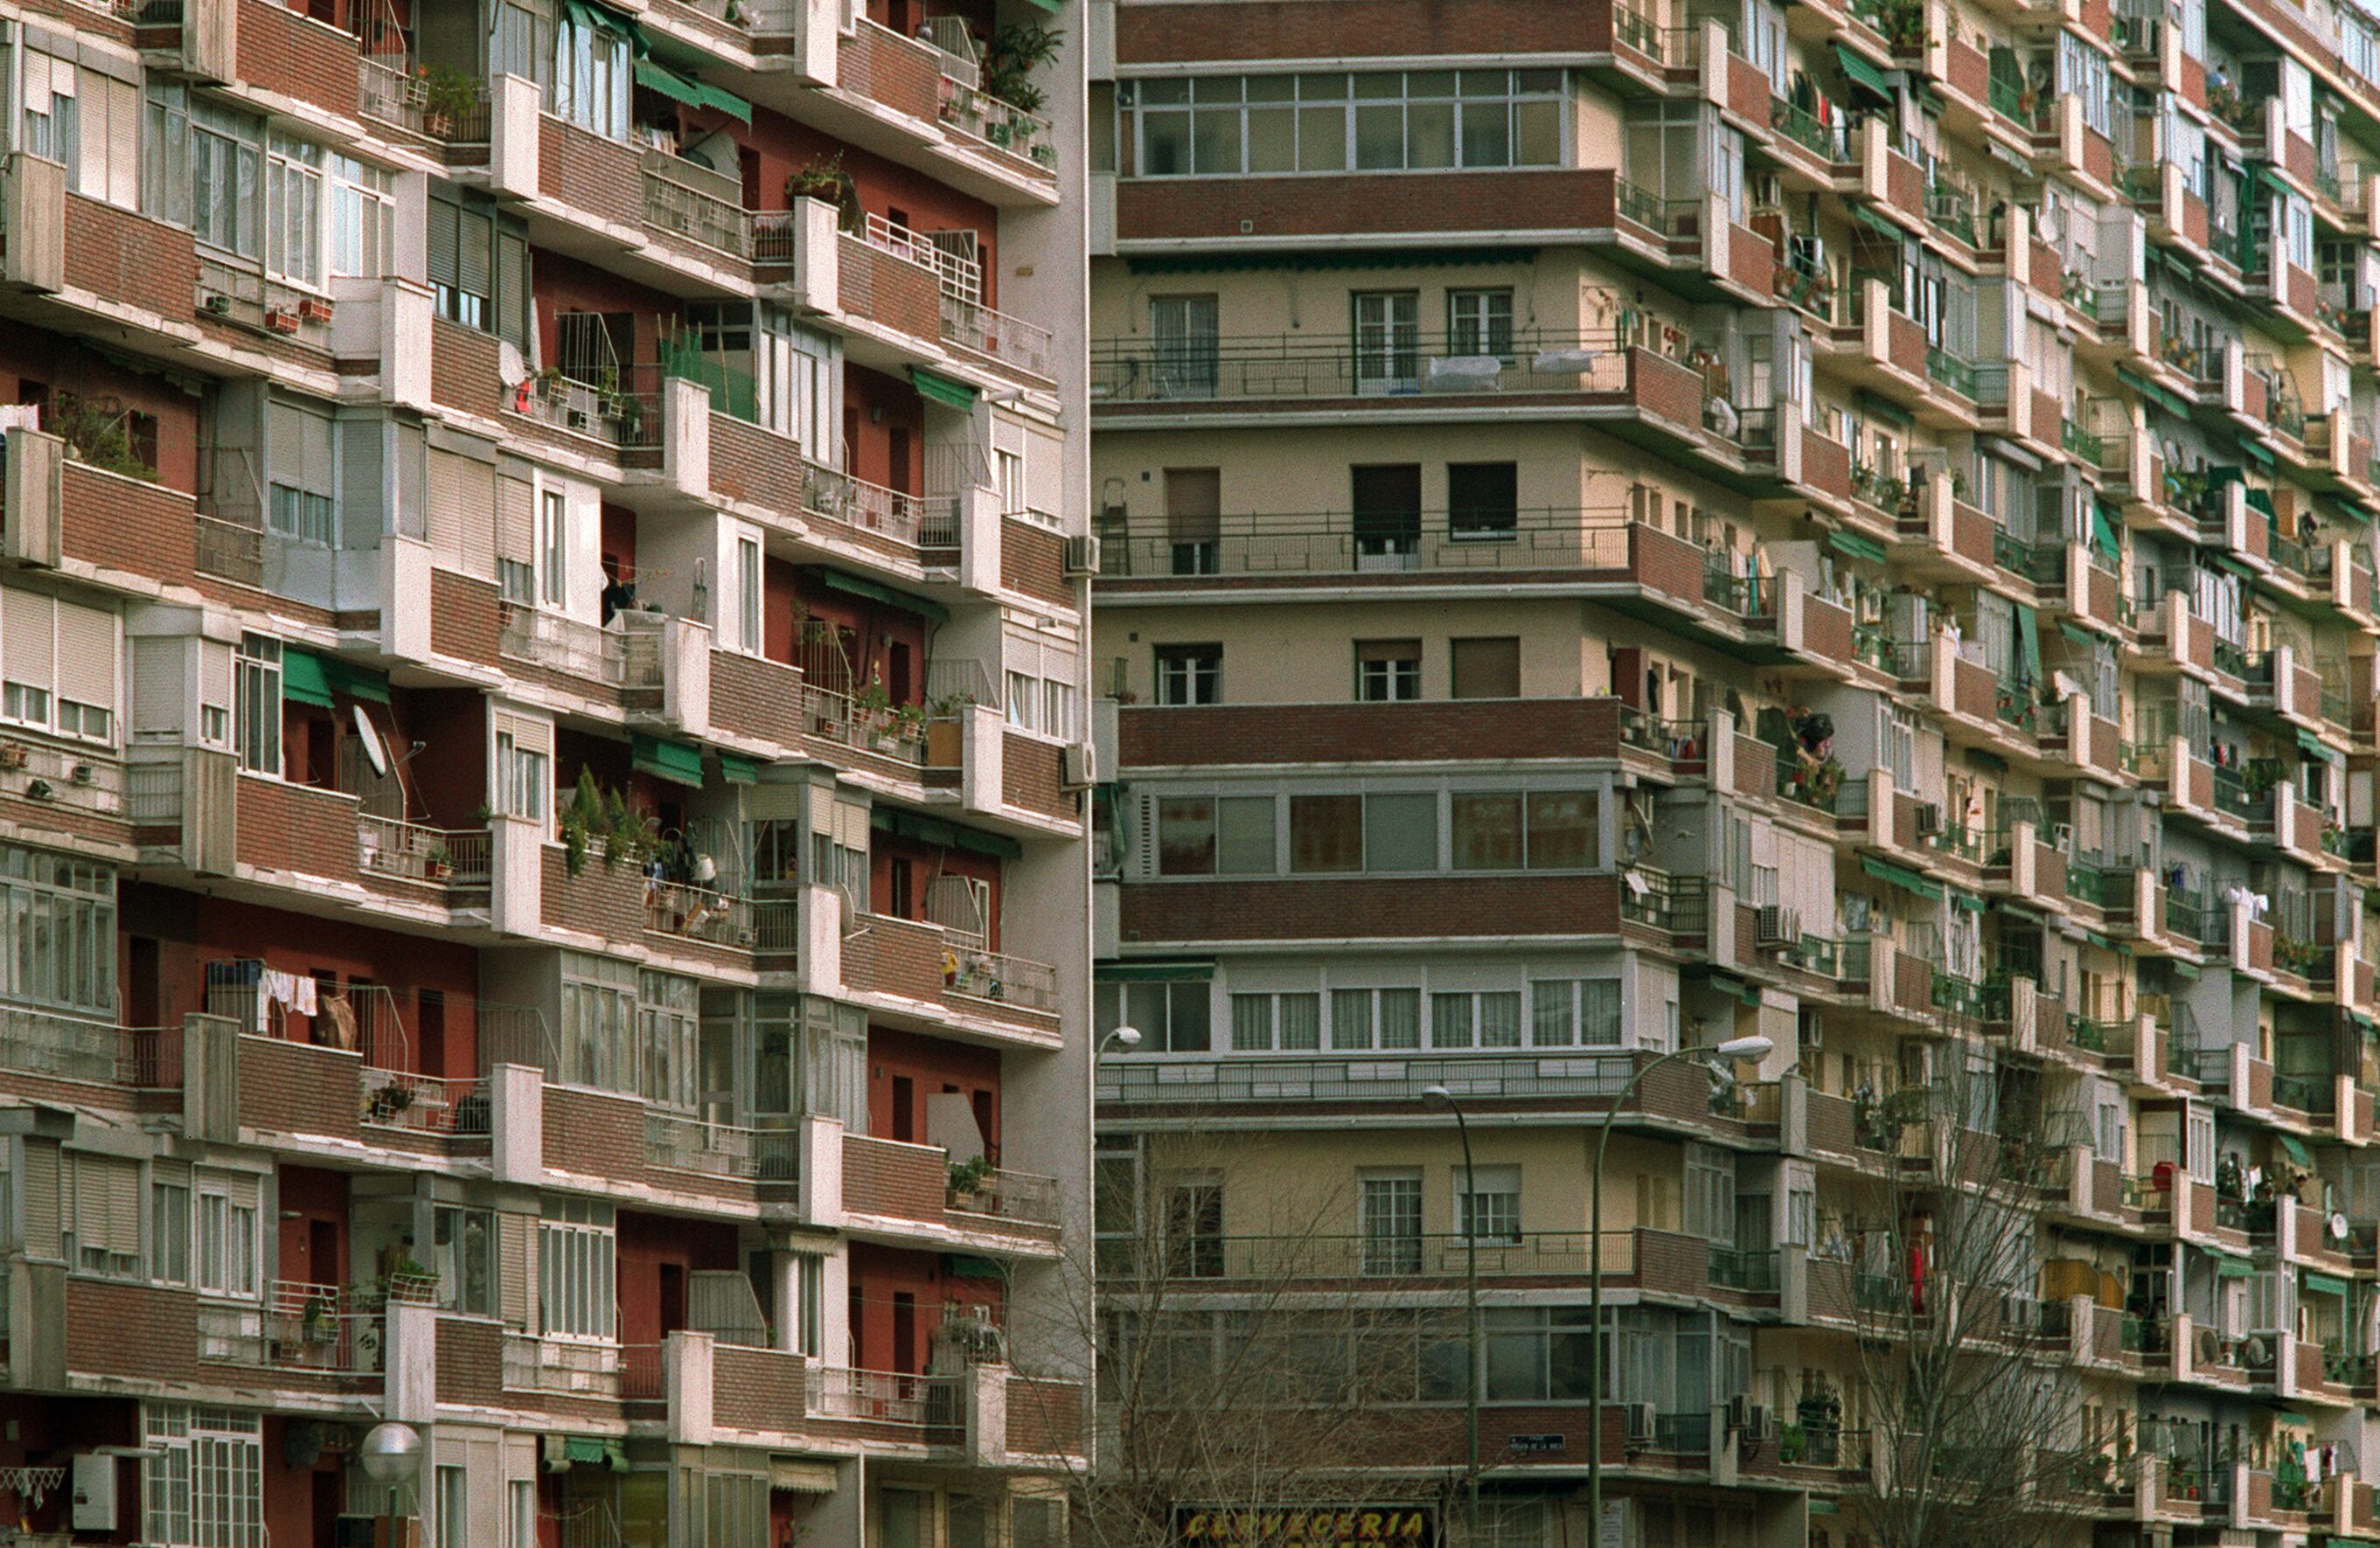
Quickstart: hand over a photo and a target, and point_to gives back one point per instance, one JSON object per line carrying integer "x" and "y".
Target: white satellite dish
{"x": 2338, "y": 1227}
{"x": 511, "y": 369}
{"x": 375, "y": 751}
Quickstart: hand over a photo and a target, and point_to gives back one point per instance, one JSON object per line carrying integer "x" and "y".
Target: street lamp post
{"x": 1471, "y": 1288}
{"x": 1754, "y": 1047}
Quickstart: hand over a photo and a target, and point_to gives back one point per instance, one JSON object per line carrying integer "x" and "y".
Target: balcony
{"x": 300, "y": 1328}
{"x": 1466, "y": 372}
{"x": 1193, "y": 735}
{"x": 562, "y": 1366}
{"x": 924, "y": 1409}
{"x": 680, "y": 1142}
{"x": 1565, "y": 1082}
{"x": 61, "y": 1047}
{"x": 948, "y": 970}
{"x": 454, "y": 859}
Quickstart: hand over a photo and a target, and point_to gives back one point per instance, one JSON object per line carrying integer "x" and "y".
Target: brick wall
{"x": 888, "y": 68}
{"x": 1413, "y": 732}
{"x": 1904, "y": 343}
{"x": 891, "y": 291}
{"x": 748, "y": 462}
{"x": 1045, "y": 1418}
{"x": 136, "y": 262}
{"x": 125, "y": 523}
{"x": 1755, "y": 767}
{"x": 296, "y": 828}
{"x": 471, "y": 1362}
{"x": 595, "y": 1133}
{"x": 757, "y": 1389}
{"x": 588, "y": 171}
{"x": 463, "y": 369}
{"x": 1304, "y": 908}
{"x": 1826, "y": 464}
{"x": 1829, "y": 1123}
{"x": 299, "y": 1088}
{"x": 1825, "y": 629}
{"x": 753, "y": 697}
{"x": 296, "y": 56}
{"x": 463, "y": 619}
{"x": 1363, "y": 203}
{"x": 1664, "y": 561}
{"x": 1029, "y": 777}
{"x": 893, "y": 957}
{"x": 1752, "y": 260}
{"x": 902, "y": 1181}
{"x": 1033, "y": 560}
{"x": 1659, "y": 385}
{"x": 1354, "y": 29}
{"x": 144, "y": 1332}
{"x": 1671, "y": 1264}
{"x": 605, "y": 902}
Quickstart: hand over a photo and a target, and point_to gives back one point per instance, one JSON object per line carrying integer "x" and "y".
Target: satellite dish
{"x": 375, "y": 751}
{"x": 2338, "y": 1227}
{"x": 2258, "y": 1351}
{"x": 511, "y": 369}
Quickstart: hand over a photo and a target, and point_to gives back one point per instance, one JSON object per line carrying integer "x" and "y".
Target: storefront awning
{"x": 303, "y": 680}
{"x": 857, "y": 586}
{"x": 565, "y": 1452}
{"x": 1900, "y": 877}
{"x": 949, "y": 392}
{"x": 800, "y": 1477}
{"x": 679, "y": 762}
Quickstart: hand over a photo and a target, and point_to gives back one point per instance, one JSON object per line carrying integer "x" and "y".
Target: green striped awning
{"x": 2326, "y": 1284}
{"x": 1900, "y": 877}
{"x": 944, "y": 835}
{"x": 859, "y": 586}
{"x": 2311, "y": 746}
{"x": 679, "y": 762}
{"x": 738, "y": 771}
{"x": 1860, "y": 73}
{"x": 303, "y": 680}
{"x": 949, "y": 392}
{"x": 1867, "y": 214}
{"x": 1853, "y": 545}
{"x": 2152, "y": 392}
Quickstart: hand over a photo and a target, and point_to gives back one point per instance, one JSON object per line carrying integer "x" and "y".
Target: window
{"x": 748, "y": 594}
{"x": 1486, "y": 668}
{"x": 463, "y": 1256}
{"x": 293, "y": 191}
{"x": 1482, "y": 500}
{"x": 1563, "y": 831}
{"x": 1060, "y": 701}
{"x": 106, "y": 160}
{"x": 1189, "y": 674}
{"x": 303, "y": 479}
{"x": 520, "y": 1513}
{"x": 792, "y": 380}
{"x": 1388, "y": 671}
{"x": 736, "y": 1510}
{"x": 226, "y": 1234}
{"x": 169, "y": 1233}
{"x": 1184, "y": 350}
{"x": 57, "y": 931}
{"x": 599, "y": 1021}
{"x": 1194, "y": 1228}
{"x": 226, "y": 164}
{"x": 1487, "y": 832}
{"x": 451, "y": 1490}
{"x": 1565, "y": 1012}
{"x": 1491, "y": 1206}
{"x": 1370, "y": 1018}
{"x": 1326, "y": 833}
{"x": 553, "y": 551}
{"x": 58, "y": 666}
{"x": 590, "y": 74}
{"x": 1391, "y": 1209}
{"x": 1292, "y": 1023}
{"x": 521, "y": 778}
{"x": 204, "y": 1477}
{"x": 1194, "y": 519}
{"x": 1537, "y": 1354}
{"x": 1171, "y": 1018}
{"x": 1323, "y": 122}
{"x": 576, "y": 1285}
{"x": 256, "y": 704}
{"x": 1481, "y": 322}
{"x": 1022, "y": 705}
{"x": 666, "y": 1032}
{"x": 1541, "y": 830}
{"x": 53, "y": 122}
{"x": 809, "y": 1303}
{"x": 101, "y": 1213}
{"x": 1401, "y": 832}
{"x": 1465, "y": 1020}
{"x": 478, "y": 269}
{"x": 1388, "y": 340}
{"x": 363, "y": 216}
{"x": 1710, "y": 1193}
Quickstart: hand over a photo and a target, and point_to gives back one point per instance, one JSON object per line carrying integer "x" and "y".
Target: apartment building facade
{"x": 1629, "y": 526}
{"x": 540, "y": 784}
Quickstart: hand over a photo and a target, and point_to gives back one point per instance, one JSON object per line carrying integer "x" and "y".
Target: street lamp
{"x": 1127, "y": 1037}
{"x": 1753, "y": 1047}
{"x": 391, "y": 1455}
{"x": 1440, "y": 1096}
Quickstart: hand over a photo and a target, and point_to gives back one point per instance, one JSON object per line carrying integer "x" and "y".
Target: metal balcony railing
{"x": 1367, "y": 1079}
{"x": 412, "y": 851}
{"x": 884, "y": 1396}
{"x": 683, "y": 1142}
{"x": 567, "y": 645}
{"x": 426, "y": 1104}
{"x": 697, "y": 203}
{"x": 1026, "y": 1196}
{"x": 48, "y": 1042}
{"x": 698, "y": 913}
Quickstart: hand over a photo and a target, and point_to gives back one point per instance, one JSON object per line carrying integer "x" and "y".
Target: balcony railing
{"x": 691, "y": 1144}
{"x": 1380, "y": 1255}
{"x": 1290, "y": 365}
{"x": 570, "y": 645}
{"x": 410, "y": 851}
{"x": 980, "y": 115}
{"x": 534, "y": 1364}
{"x": 884, "y": 1396}
{"x": 1021, "y": 347}
{"x": 389, "y": 92}
{"x": 698, "y": 913}
{"x": 1024, "y": 1196}
{"x": 69, "y": 1048}
{"x": 300, "y": 1326}
{"x": 1323, "y": 543}
{"x": 917, "y": 521}
{"x": 84, "y": 778}
{"x": 426, "y": 1104}
{"x": 697, "y": 203}
{"x": 1369, "y": 1078}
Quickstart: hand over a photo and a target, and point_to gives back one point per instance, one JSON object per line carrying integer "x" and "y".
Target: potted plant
{"x": 447, "y": 97}
{"x": 967, "y": 1179}
{"x": 438, "y": 863}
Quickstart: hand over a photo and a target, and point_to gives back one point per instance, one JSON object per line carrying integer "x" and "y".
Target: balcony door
{"x": 1387, "y": 504}
{"x": 1392, "y": 1222}
{"x": 1387, "y": 340}
{"x": 1181, "y": 331}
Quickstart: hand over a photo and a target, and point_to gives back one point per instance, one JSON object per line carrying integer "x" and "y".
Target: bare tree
{"x": 1968, "y": 1387}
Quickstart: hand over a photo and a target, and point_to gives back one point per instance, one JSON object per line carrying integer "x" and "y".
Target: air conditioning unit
{"x": 1756, "y": 1421}
{"x": 1776, "y": 926}
{"x": 1082, "y": 556}
{"x": 1739, "y": 1410}
{"x": 1641, "y": 1417}
{"x": 1929, "y": 818}
{"x": 1079, "y": 766}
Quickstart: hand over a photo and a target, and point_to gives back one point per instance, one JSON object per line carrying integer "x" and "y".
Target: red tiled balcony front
{"x": 1494, "y": 730}
{"x": 925, "y": 966}
{"x": 288, "y": 53}
{"x": 1366, "y": 204}
{"x": 1371, "y": 907}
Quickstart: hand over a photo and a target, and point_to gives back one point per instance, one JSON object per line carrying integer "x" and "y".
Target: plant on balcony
{"x": 1013, "y": 54}
{"x": 387, "y": 1103}
{"x": 447, "y": 96}
{"x": 1793, "y": 1443}
{"x": 97, "y": 432}
{"x": 968, "y": 1178}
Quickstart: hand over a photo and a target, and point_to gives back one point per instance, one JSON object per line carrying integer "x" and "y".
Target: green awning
{"x": 1868, "y": 214}
{"x": 589, "y": 1451}
{"x": 2366, "y": 1022}
{"x": 2102, "y": 531}
{"x": 2256, "y": 453}
{"x": 1187, "y": 970}
{"x": 2186, "y": 971}
{"x": 859, "y": 586}
{"x": 2311, "y": 746}
{"x": 1053, "y": 6}
{"x": 2095, "y": 938}
{"x": 2076, "y": 635}
{"x": 1854, "y": 546}
{"x": 2028, "y": 645}
{"x": 303, "y": 680}
{"x": 959, "y": 1266}
{"x": 2233, "y": 1268}
{"x": 2224, "y": 561}
{"x": 2294, "y": 1148}
{"x": 2152, "y": 392}
{"x": 1899, "y": 875}
{"x": 601, "y": 20}
{"x": 1859, "y": 72}
{"x": 949, "y": 392}
{"x": 1876, "y": 406}
{"x": 2260, "y": 500}
{"x": 738, "y": 771}
{"x": 357, "y": 683}
{"x": 656, "y": 77}
{"x": 944, "y": 835}
{"x": 1966, "y": 900}
{"x": 680, "y": 762}
{"x": 2326, "y": 1284}
{"x": 1728, "y": 983}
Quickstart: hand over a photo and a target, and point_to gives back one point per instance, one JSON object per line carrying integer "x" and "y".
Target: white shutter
{"x": 476, "y": 481}
{"x": 91, "y": 175}
{"x": 106, "y": 1196}
{"x": 515, "y": 521}
{"x": 122, "y": 144}
{"x": 158, "y": 701}
{"x": 528, "y": 734}
{"x": 86, "y": 655}
{"x": 214, "y": 679}
{"x": 445, "y": 509}
{"x": 28, "y": 639}
{"x": 43, "y": 1198}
